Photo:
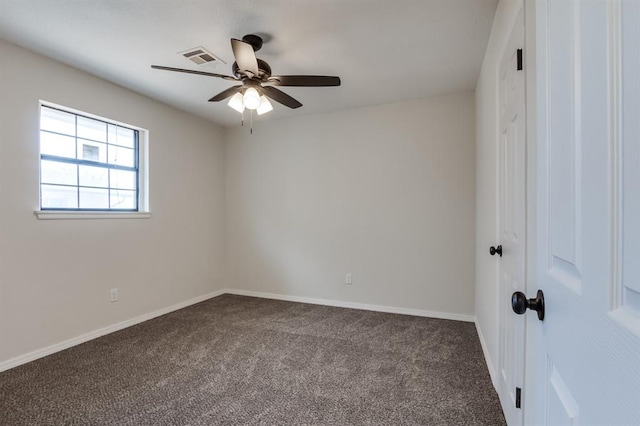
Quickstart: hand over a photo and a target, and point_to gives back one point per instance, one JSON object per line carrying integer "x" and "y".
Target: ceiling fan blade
{"x": 225, "y": 94}
{"x": 245, "y": 57}
{"x": 305, "y": 80}
{"x": 279, "y": 96}
{"x": 209, "y": 74}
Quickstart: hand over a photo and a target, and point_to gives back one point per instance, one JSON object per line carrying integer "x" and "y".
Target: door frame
{"x": 533, "y": 105}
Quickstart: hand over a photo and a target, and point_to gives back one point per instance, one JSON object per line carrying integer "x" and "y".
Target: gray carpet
{"x": 239, "y": 360}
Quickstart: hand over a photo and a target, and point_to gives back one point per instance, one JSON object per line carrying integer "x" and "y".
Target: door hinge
{"x": 518, "y": 397}
{"x": 519, "y": 59}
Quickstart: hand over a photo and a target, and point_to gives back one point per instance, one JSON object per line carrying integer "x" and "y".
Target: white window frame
{"x": 143, "y": 211}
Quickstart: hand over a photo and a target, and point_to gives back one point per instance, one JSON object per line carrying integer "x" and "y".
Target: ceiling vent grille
{"x": 199, "y": 55}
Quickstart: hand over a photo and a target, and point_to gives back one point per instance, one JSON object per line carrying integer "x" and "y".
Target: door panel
{"x": 586, "y": 353}
{"x": 511, "y": 190}
{"x": 564, "y": 194}
{"x": 562, "y": 407}
{"x": 564, "y": 171}
{"x": 629, "y": 297}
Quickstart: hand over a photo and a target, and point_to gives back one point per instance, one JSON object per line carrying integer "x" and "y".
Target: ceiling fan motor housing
{"x": 263, "y": 68}
{"x": 254, "y": 40}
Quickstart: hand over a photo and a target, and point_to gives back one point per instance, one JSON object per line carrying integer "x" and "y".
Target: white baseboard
{"x": 487, "y": 358}
{"x": 39, "y": 353}
{"x": 352, "y": 305}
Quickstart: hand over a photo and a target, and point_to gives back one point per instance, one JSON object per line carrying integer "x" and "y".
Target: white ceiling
{"x": 383, "y": 50}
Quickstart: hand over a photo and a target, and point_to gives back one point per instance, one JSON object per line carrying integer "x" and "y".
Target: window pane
{"x": 92, "y": 151}
{"x": 86, "y": 163}
{"x": 94, "y": 176}
{"x": 93, "y": 198}
{"x": 61, "y": 173}
{"x": 59, "y": 197}
{"x": 123, "y": 199}
{"x": 121, "y": 156}
{"x": 123, "y": 179}
{"x": 57, "y": 121}
{"x": 121, "y": 136}
{"x": 54, "y": 144}
{"x": 92, "y": 129}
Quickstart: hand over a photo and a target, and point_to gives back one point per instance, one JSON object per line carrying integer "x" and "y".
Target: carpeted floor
{"x": 236, "y": 360}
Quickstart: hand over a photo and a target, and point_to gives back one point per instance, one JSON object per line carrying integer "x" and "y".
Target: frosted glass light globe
{"x": 236, "y": 102}
{"x": 251, "y": 98}
{"x": 265, "y": 105}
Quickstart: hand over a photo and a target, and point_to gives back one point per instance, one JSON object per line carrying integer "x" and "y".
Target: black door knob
{"x": 493, "y": 250}
{"x": 520, "y": 303}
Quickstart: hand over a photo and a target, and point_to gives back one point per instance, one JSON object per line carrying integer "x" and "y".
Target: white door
{"x": 511, "y": 195}
{"x": 583, "y": 363}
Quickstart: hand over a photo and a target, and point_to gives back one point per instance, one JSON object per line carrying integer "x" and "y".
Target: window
{"x": 88, "y": 164}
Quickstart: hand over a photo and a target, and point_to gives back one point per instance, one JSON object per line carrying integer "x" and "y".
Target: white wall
{"x": 486, "y": 285}
{"x": 56, "y": 275}
{"x": 385, "y": 193}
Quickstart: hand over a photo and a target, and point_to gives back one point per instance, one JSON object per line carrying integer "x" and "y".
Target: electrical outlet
{"x": 348, "y": 279}
{"x": 114, "y": 294}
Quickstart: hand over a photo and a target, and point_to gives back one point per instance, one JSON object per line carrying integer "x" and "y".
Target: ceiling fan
{"x": 256, "y": 80}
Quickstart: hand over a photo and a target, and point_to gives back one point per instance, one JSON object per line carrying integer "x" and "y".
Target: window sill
{"x": 55, "y": 215}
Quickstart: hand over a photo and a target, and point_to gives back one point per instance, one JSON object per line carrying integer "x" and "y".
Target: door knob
{"x": 493, "y": 250}
{"x": 520, "y": 303}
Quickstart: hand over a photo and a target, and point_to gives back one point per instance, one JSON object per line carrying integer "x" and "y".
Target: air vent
{"x": 199, "y": 55}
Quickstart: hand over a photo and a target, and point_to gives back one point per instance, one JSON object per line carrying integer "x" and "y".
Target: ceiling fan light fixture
{"x": 265, "y": 105}
{"x": 236, "y": 102}
{"x": 251, "y": 98}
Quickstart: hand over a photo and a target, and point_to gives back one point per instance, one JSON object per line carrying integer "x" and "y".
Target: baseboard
{"x": 352, "y": 305}
{"x": 485, "y": 350}
{"x": 39, "y": 353}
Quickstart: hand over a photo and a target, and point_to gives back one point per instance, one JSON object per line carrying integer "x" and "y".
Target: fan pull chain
{"x": 242, "y": 119}
{"x": 251, "y": 121}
